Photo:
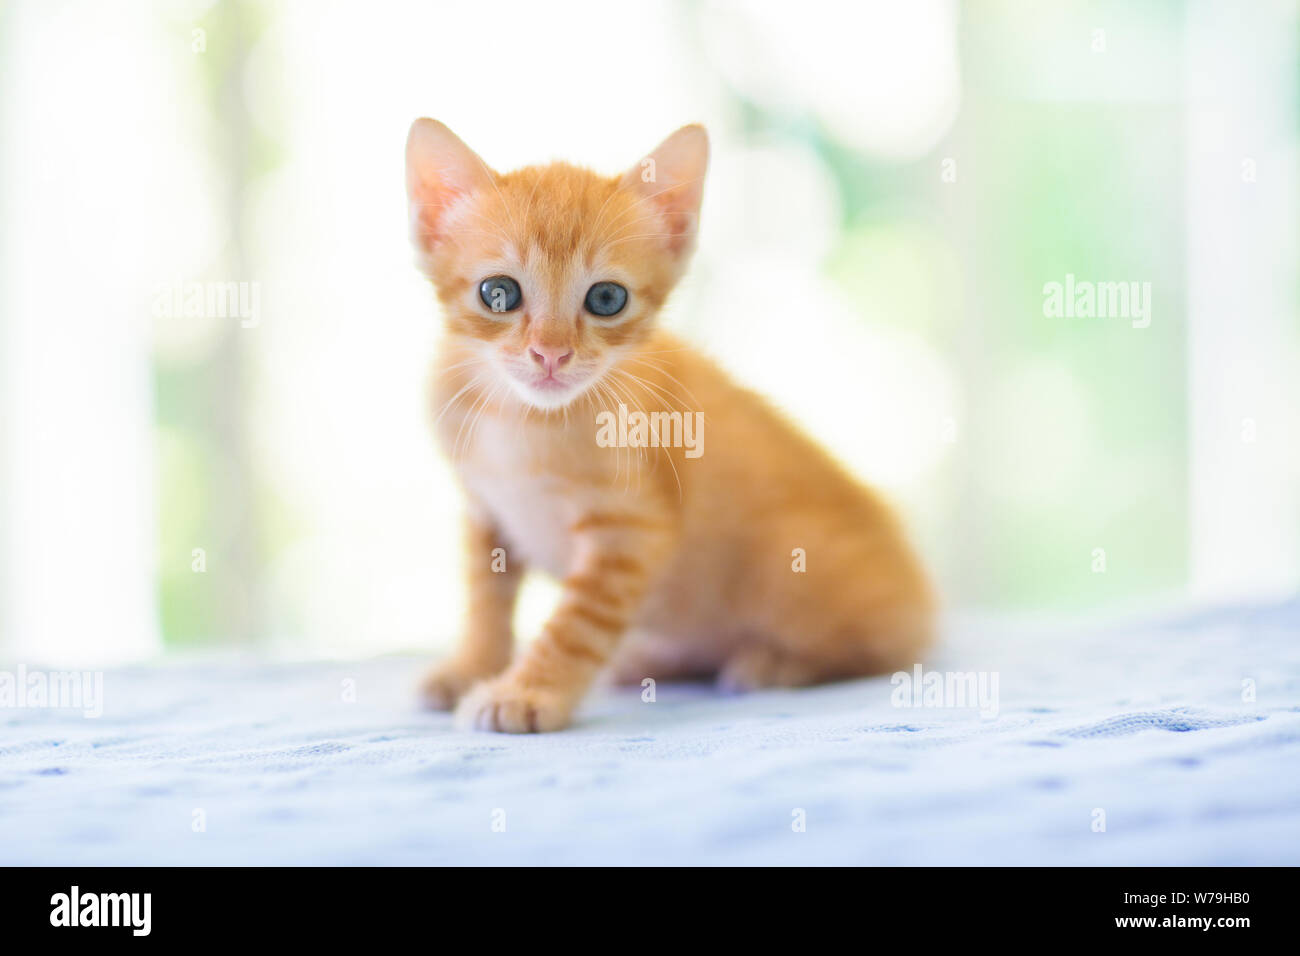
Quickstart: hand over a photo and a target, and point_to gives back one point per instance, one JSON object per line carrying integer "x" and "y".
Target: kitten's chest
{"x": 525, "y": 491}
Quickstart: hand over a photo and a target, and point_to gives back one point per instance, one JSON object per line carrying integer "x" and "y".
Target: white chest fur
{"x": 528, "y": 499}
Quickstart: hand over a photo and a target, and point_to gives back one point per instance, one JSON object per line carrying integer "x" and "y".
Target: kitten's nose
{"x": 550, "y": 357}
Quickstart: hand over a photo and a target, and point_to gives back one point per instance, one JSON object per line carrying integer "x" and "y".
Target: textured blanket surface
{"x": 1169, "y": 741}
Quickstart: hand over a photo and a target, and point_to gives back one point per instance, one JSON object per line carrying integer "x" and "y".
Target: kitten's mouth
{"x": 551, "y": 384}
{"x": 549, "y": 391}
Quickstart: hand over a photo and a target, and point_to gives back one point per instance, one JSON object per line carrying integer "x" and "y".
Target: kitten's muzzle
{"x": 550, "y": 357}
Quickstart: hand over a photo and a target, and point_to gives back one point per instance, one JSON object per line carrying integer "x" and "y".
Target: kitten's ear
{"x": 672, "y": 177}
{"x": 439, "y": 170}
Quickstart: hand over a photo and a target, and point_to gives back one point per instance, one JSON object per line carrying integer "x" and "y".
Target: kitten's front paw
{"x": 447, "y": 682}
{"x": 506, "y": 706}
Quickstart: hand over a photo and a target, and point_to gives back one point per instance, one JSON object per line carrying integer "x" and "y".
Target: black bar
{"x": 330, "y": 905}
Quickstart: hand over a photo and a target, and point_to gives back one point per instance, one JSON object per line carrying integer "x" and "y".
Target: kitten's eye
{"x": 606, "y": 299}
{"x": 500, "y": 293}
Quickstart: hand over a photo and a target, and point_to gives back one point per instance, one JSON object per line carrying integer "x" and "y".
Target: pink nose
{"x": 550, "y": 357}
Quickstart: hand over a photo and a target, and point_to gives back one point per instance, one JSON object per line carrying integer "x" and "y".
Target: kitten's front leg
{"x": 492, "y": 576}
{"x": 618, "y": 556}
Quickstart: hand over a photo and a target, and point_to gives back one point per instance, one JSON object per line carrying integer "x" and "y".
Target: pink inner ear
{"x": 681, "y": 161}
{"x": 676, "y": 204}
{"x": 430, "y": 201}
{"x": 429, "y": 204}
{"x": 439, "y": 170}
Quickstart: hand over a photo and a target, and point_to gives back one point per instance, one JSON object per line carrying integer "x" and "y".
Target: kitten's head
{"x": 551, "y": 273}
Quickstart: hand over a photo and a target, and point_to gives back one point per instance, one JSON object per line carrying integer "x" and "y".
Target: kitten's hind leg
{"x": 644, "y": 655}
{"x": 883, "y": 641}
{"x": 754, "y": 666}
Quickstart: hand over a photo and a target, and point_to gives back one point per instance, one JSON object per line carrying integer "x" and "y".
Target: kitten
{"x": 745, "y": 554}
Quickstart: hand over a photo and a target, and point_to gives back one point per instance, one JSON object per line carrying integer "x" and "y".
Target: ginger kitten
{"x": 737, "y": 548}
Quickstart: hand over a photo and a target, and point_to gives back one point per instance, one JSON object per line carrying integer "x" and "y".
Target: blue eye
{"x": 500, "y": 293}
{"x": 606, "y": 299}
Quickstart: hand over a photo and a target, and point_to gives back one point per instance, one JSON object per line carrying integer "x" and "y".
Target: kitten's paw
{"x": 506, "y": 706}
{"x": 447, "y": 682}
{"x": 757, "y": 666}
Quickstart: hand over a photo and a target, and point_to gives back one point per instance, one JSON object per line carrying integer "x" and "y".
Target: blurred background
{"x": 893, "y": 186}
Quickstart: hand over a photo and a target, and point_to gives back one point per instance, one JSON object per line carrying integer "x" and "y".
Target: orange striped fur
{"x": 672, "y": 564}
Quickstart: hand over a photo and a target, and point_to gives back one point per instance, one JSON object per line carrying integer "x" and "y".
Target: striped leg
{"x": 493, "y": 577}
{"x": 617, "y": 557}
